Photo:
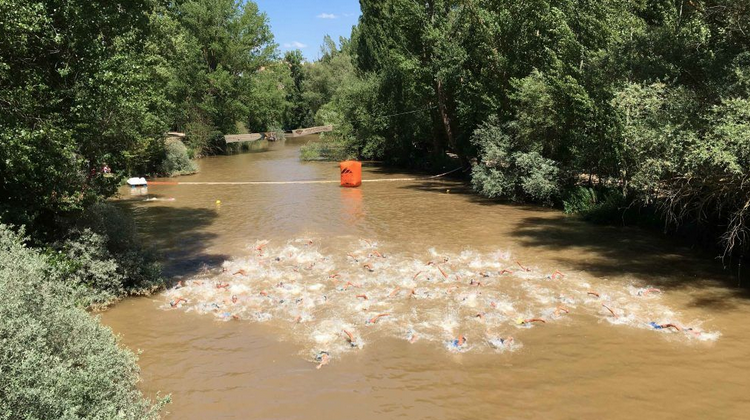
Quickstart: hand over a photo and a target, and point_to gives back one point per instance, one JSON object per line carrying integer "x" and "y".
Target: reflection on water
{"x": 351, "y": 203}
{"x": 277, "y": 275}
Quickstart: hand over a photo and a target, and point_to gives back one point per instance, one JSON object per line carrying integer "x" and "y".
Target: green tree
{"x": 298, "y": 113}
{"x": 221, "y": 46}
{"x": 78, "y": 90}
{"x": 269, "y": 92}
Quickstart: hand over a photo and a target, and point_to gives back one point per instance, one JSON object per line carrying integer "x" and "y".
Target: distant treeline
{"x": 614, "y": 109}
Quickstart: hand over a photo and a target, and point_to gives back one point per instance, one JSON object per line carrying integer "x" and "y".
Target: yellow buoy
{"x": 218, "y": 201}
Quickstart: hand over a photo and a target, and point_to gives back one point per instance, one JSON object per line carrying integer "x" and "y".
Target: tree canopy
{"x": 644, "y": 100}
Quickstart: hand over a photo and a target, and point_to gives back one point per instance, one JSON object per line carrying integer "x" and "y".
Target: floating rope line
{"x": 298, "y": 182}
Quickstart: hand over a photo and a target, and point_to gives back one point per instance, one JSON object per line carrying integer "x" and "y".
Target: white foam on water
{"x": 435, "y": 296}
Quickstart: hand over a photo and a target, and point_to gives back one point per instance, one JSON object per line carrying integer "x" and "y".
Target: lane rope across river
{"x": 299, "y": 182}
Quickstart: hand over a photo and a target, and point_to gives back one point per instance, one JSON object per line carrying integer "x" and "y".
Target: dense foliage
{"x": 88, "y": 85}
{"x": 88, "y": 90}
{"x": 78, "y": 90}
{"x": 102, "y": 259}
{"x": 56, "y": 361}
{"x": 623, "y": 102}
{"x": 220, "y": 55}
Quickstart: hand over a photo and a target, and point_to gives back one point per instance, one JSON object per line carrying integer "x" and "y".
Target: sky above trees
{"x": 302, "y": 24}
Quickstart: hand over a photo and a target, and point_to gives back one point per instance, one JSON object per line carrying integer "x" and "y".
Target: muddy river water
{"x": 418, "y": 300}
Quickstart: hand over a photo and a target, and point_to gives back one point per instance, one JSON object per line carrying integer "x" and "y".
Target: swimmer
{"x": 560, "y": 309}
{"x": 439, "y": 269}
{"x": 222, "y": 285}
{"x": 298, "y": 319}
{"x": 350, "y": 255}
{"x": 696, "y": 333}
{"x": 522, "y": 267}
{"x": 324, "y": 358}
{"x": 241, "y": 272}
{"x": 350, "y": 284}
{"x": 610, "y": 310}
{"x": 377, "y": 254}
{"x": 459, "y": 342}
{"x": 350, "y": 339}
{"x": 557, "y": 274}
{"x": 664, "y": 326}
{"x": 527, "y": 321}
{"x": 506, "y": 271}
{"x": 234, "y": 298}
{"x": 176, "y": 302}
{"x": 484, "y": 274}
{"x": 413, "y": 337}
{"x": 376, "y": 318}
{"x": 179, "y": 285}
{"x": 565, "y": 299}
{"x": 480, "y": 316}
{"x": 228, "y": 315}
{"x": 362, "y": 296}
{"x": 394, "y": 292}
{"x": 263, "y": 293}
{"x": 368, "y": 267}
{"x": 645, "y": 292}
{"x": 501, "y": 342}
{"x": 592, "y": 293}
{"x": 475, "y": 283}
{"x": 334, "y": 276}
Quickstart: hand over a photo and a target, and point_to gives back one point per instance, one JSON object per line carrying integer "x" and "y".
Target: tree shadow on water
{"x": 609, "y": 251}
{"x": 178, "y": 237}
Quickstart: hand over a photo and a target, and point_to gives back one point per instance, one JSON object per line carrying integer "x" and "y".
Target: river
{"x": 276, "y": 315}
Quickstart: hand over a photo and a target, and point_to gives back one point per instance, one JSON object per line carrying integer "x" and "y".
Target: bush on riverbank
{"x": 177, "y": 160}
{"x": 102, "y": 259}
{"x": 511, "y": 169}
{"x": 56, "y": 360}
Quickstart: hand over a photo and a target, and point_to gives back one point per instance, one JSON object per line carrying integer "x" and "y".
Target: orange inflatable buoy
{"x": 351, "y": 173}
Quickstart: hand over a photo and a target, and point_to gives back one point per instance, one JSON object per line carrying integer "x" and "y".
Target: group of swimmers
{"x": 434, "y": 280}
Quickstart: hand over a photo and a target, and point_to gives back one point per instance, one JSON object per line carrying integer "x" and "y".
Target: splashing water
{"x": 465, "y": 302}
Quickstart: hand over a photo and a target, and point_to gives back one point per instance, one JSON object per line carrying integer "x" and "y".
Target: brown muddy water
{"x": 276, "y": 278}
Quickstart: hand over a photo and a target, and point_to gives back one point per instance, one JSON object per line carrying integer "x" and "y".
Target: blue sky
{"x": 303, "y": 23}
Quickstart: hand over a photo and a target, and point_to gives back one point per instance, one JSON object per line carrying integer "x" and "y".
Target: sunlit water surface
{"x": 417, "y": 299}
